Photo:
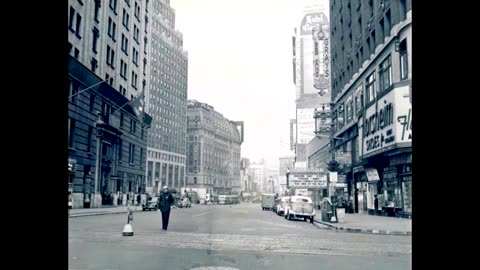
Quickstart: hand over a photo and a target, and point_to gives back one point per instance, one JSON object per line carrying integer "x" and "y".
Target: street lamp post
{"x": 97, "y": 161}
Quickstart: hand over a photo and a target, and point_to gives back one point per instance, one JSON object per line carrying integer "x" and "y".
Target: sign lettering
{"x": 388, "y": 123}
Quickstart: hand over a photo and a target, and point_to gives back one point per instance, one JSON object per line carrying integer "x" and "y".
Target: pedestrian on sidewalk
{"x": 375, "y": 204}
{"x": 165, "y": 201}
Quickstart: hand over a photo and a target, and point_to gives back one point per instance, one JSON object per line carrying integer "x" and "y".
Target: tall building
{"x": 213, "y": 152}
{"x": 107, "y": 125}
{"x": 371, "y": 93}
{"x": 111, "y": 39}
{"x": 293, "y": 134}
{"x": 257, "y": 174}
{"x": 246, "y": 184}
{"x": 166, "y": 101}
{"x": 312, "y": 78}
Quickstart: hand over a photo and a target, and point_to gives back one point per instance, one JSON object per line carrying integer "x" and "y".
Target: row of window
{"x": 74, "y": 90}
{"x": 72, "y": 143}
{"x": 359, "y": 99}
{"x": 175, "y": 174}
{"x": 374, "y": 35}
{"x": 168, "y": 157}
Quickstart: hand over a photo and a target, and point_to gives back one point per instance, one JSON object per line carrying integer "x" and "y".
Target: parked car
{"x": 300, "y": 207}
{"x": 184, "y": 203}
{"x": 282, "y": 205}
{"x": 150, "y": 204}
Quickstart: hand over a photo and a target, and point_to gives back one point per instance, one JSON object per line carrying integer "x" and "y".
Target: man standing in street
{"x": 165, "y": 200}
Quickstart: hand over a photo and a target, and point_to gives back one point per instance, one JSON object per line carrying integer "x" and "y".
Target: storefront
{"x": 373, "y": 191}
{"x": 392, "y": 194}
{"x": 386, "y": 153}
{"x": 403, "y": 164}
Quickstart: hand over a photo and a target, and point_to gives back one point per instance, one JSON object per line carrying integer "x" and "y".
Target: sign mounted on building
{"x": 388, "y": 124}
{"x": 307, "y": 180}
{"x": 372, "y": 174}
{"x": 312, "y": 20}
{"x": 333, "y": 177}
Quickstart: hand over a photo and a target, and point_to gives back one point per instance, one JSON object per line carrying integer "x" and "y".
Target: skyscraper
{"x": 166, "y": 101}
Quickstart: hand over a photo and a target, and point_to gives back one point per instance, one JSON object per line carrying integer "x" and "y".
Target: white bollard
{"x": 127, "y": 230}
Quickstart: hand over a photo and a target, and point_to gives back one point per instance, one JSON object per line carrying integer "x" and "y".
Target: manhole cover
{"x": 214, "y": 268}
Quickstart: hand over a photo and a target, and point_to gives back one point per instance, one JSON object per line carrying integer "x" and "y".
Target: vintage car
{"x": 300, "y": 207}
{"x": 184, "y": 203}
{"x": 282, "y": 205}
{"x": 151, "y": 204}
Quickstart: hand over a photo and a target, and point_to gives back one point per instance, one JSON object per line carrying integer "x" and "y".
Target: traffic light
{"x": 333, "y": 165}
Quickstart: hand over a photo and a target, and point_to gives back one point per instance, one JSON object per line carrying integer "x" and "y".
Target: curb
{"x": 370, "y": 231}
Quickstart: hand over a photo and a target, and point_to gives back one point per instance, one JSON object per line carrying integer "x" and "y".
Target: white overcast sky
{"x": 240, "y": 62}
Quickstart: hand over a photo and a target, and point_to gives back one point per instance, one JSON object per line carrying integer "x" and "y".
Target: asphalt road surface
{"x": 231, "y": 237}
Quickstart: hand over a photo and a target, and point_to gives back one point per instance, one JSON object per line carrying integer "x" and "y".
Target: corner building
{"x": 214, "y": 148}
{"x": 371, "y": 95}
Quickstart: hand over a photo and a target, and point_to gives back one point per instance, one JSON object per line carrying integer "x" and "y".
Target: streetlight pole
{"x": 97, "y": 161}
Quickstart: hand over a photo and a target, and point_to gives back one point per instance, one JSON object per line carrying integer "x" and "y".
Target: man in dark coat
{"x": 165, "y": 200}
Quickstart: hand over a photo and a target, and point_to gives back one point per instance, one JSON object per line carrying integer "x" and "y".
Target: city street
{"x": 241, "y": 236}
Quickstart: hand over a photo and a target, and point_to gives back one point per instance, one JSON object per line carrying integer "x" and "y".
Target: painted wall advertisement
{"x": 388, "y": 123}
{"x": 305, "y": 125}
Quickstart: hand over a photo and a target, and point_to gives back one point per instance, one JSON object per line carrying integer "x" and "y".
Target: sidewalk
{"x": 365, "y": 223}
